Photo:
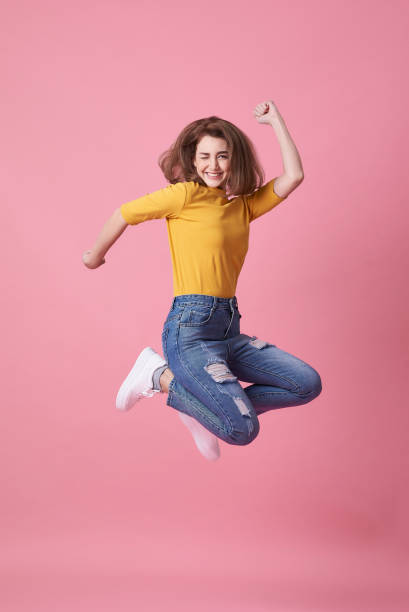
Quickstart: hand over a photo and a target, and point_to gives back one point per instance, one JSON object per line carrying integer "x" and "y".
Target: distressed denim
{"x": 208, "y": 355}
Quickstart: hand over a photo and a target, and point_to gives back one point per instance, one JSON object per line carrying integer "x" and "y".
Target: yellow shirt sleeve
{"x": 263, "y": 200}
{"x": 167, "y": 202}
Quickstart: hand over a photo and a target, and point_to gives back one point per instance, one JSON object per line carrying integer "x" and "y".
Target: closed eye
{"x": 205, "y": 156}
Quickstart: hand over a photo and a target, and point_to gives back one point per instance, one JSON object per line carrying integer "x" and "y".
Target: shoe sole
{"x": 137, "y": 373}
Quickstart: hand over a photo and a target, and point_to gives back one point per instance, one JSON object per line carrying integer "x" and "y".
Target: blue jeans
{"x": 208, "y": 355}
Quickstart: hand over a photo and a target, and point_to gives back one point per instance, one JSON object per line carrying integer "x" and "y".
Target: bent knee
{"x": 246, "y": 433}
{"x": 312, "y": 385}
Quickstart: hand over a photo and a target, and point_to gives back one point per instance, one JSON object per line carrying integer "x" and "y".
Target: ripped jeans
{"x": 208, "y": 355}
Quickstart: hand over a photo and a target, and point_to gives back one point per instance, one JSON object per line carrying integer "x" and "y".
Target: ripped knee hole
{"x": 257, "y": 343}
{"x": 219, "y": 372}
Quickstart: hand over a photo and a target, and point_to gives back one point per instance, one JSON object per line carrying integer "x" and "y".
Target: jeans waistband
{"x": 205, "y": 300}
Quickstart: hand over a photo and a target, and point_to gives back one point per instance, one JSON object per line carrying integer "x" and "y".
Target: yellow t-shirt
{"x": 208, "y": 233}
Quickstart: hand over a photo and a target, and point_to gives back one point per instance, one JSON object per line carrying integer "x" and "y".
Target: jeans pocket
{"x": 197, "y": 316}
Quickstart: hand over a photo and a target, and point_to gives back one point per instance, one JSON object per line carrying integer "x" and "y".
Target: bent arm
{"x": 293, "y": 172}
{"x": 111, "y": 231}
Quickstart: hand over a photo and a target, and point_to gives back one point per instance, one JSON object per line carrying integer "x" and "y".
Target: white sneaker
{"x": 138, "y": 383}
{"x": 206, "y": 442}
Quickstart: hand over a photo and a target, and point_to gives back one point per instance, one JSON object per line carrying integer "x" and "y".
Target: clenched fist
{"x": 265, "y": 112}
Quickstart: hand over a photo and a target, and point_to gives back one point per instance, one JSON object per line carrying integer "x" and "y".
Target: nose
{"x": 214, "y": 167}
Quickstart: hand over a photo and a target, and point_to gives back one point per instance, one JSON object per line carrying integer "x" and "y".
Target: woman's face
{"x": 212, "y": 161}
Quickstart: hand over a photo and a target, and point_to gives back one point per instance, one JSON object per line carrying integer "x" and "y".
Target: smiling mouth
{"x": 214, "y": 175}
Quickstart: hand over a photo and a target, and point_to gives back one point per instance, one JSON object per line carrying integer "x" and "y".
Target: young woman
{"x": 215, "y": 191}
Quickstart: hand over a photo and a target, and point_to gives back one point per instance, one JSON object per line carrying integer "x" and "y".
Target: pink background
{"x": 103, "y": 510}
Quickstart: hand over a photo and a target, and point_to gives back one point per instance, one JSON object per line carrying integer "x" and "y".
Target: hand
{"x": 90, "y": 261}
{"x": 265, "y": 112}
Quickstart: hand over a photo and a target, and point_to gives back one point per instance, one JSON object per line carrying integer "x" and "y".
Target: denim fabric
{"x": 208, "y": 356}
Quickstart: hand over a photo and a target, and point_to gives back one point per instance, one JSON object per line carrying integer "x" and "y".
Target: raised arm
{"x": 113, "y": 228}
{"x": 267, "y": 112}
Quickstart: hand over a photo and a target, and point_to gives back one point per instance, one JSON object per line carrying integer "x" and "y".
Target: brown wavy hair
{"x": 246, "y": 174}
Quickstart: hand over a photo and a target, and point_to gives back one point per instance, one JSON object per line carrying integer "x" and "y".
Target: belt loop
{"x": 173, "y": 302}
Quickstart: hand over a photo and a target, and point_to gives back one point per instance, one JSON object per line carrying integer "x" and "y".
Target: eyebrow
{"x": 203, "y": 153}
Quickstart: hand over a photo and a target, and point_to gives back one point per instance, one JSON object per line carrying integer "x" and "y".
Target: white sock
{"x": 206, "y": 442}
